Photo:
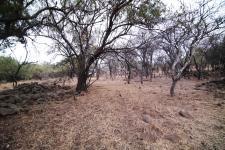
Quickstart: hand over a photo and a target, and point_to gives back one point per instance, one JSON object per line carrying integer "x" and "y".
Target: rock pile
{"x": 15, "y": 100}
{"x": 212, "y": 85}
{"x": 216, "y": 86}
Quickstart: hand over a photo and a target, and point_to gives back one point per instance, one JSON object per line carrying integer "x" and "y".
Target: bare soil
{"x": 115, "y": 115}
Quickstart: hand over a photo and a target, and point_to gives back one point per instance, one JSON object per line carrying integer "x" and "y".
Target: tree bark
{"x": 82, "y": 77}
{"x": 172, "y": 88}
{"x": 14, "y": 83}
{"x": 199, "y": 75}
{"x": 129, "y": 73}
{"x": 198, "y": 69}
{"x": 143, "y": 65}
{"x": 82, "y": 82}
{"x": 98, "y": 73}
{"x": 142, "y": 69}
{"x": 151, "y": 68}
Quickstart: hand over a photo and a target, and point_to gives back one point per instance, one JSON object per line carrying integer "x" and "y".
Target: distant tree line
{"x": 9, "y": 70}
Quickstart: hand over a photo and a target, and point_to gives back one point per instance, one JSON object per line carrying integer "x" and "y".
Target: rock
{"x": 82, "y": 93}
{"x": 40, "y": 100}
{"x": 3, "y": 104}
{"x": 8, "y": 105}
{"x": 26, "y": 91}
{"x": 146, "y": 118}
{"x": 219, "y": 104}
{"x": 66, "y": 87}
{"x": 60, "y": 93}
{"x": 218, "y": 127}
{"x": 52, "y": 96}
{"x": 59, "y": 98}
{"x": 30, "y": 102}
{"x": 23, "y": 96}
{"x": 4, "y": 97}
{"x": 18, "y": 99}
{"x": 116, "y": 131}
{"x": 185, "y": 114}
{"x": 11, "y": 100}
{"x": 172, "y": 138}
{"x": 7, "y": 111}
{"x": 35, "y": 96}
{"x": 68, "y": 92}
{"x": 15, "y": 107}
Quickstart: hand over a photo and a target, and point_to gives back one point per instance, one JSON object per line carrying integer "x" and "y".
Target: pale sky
{"x": 38, "y": 50}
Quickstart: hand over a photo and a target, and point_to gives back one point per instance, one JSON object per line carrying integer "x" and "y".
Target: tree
{"x": 8, "y": 67}
{"x": 90, "y": 28}
{"x": 12, "y": 69}
{"x": 215, "y": 54}
{"x": 146, "y": 50}
{"x": 112, "y": 64}
{"x": 184, "y": 32}
{"x": 199, "y": 60}
{"x": 19, "y": 17}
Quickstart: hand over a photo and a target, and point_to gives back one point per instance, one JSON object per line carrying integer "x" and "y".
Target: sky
{"x": 38, "y": 50}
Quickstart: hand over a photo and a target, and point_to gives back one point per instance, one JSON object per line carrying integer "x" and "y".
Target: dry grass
{"x": 115, "y": 115}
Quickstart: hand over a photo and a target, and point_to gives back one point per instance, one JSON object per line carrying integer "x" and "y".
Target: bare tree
{"x": 86, "y": 30}
{"x": 184, "y": 32}
{"x": 146, "y": 50}
{"x": 74, "y": 32}
{"x": 199, "y": 60}
{"x": 112, "y": 64}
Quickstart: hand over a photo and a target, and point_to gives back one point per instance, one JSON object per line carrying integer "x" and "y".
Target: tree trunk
{"x": 197, "y": 68}
{"x": 97, "y": 73}
{"x": 82, "y": 77}
{"x": 172, "y": 88}
{"x": 129, "y": 73}
{"x": 82, "y": 82}
{"x": 144, "y": 65}
{"x": 110, "y": 70}
{"x": 147, "y": 70}
{"x": 151, "y": 67}
{"x": 14, "y": 83}
{"x": 142, "y": 69}
{"x": 199, "y": 74}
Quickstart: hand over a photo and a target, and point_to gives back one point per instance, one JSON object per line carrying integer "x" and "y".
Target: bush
{"x": 9, "y": 66}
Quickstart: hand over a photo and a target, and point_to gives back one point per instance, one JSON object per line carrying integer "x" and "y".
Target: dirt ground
{"x": 115, "y": 115}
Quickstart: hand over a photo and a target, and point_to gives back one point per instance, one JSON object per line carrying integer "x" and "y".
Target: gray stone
{"x": 7, "y": 111}
{"x": 41, "y": 99}
{"x": 9, "y": 105}
{"x": 11, "y": 100}
{"x": 3, "y": 104}
{"x": 4, "y": 97}
{"x": 18, "y": 99}
{"x": 174, "y": 138}
{"x": 146, "y": 118}
{"x": 15, "y": 107}
{"x": 35, "y": 96}
{"x": 29, "y": 102}
{"x": 185, "y": 114}
{"x": 60, "y": 93}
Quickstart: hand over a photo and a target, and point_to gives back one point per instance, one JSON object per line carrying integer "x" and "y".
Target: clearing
{"x": 115, "y": 115}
